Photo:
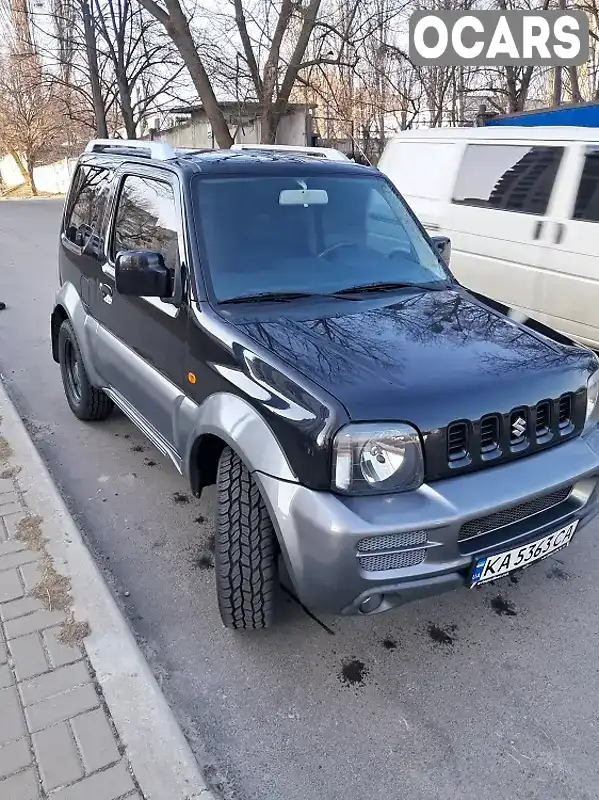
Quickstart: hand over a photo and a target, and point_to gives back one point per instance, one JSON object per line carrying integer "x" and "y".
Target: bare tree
{"x": 30, "y": 122}
{"x": 173, "y": 18}
{"x": 141, "y": 57}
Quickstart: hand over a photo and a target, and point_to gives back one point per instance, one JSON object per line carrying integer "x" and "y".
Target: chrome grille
{"x": 392, "y": 541}
{"x": 476, "y": 527}
{"x": 385, "y": 561}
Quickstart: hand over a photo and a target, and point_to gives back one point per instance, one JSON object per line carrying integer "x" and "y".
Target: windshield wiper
{"x": 264, "y": 297}
{"x": 434, "y": 286}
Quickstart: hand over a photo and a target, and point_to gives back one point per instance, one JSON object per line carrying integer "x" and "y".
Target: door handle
{"x": 559, "y": 232}
{"x": 537, "y": 229}
{"x": 106, "y": 292}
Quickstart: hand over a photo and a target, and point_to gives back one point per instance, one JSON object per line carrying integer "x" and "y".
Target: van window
{"x": 510, "y": 177}
{"x": 587, "y": 200}
{"x": 146, "y": 219}
{"x": 89, "y": 193}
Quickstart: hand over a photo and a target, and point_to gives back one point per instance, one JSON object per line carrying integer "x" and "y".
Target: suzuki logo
{"x": 518, "y": 427}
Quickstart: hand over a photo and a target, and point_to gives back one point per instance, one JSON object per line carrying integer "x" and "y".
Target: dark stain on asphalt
{"x": 502, "y": 607}
{"x": 149, "y": 462}
{"x": 557, "y": 573}
{"x": 514, "y": 578}
{"x": 204, "y": 561}
{"x": 442, "y": 636}
{"x": 200, "y": 519}
{"x": 179, "y": 497}
{"x": 126, "y": 436}
{"x": 137, "y": 448}
{"x": 353, "y": 672}
{"x": 389, "y": 644}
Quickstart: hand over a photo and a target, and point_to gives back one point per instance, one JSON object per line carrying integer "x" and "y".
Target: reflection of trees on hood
{"x": 430, "y": 319}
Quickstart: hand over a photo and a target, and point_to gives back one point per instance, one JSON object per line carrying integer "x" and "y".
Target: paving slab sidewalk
{"x": 81, "y": 717}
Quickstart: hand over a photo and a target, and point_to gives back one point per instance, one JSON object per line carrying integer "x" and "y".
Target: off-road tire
{"x": 86, "y": 402}
{"x": 246, "y": 548}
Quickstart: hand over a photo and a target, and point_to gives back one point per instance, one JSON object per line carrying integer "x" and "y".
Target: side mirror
{"x": 141, "y": 273}
{"x": 443, "y": 246}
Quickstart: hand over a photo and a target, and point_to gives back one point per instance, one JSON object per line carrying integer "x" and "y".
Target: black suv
{"x": 284, "y": 327}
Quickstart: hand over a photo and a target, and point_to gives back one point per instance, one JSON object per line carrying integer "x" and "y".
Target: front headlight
{"x": 592, "y": 394}
{"x": 373, "y": 459}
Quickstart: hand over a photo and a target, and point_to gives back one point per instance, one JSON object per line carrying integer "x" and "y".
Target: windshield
{"x": 317, "y": 234}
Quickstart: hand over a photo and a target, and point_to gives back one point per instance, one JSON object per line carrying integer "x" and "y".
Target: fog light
{"x": 371, "y": 603}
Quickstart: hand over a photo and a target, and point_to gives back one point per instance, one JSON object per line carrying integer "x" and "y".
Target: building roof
{"x": 228, "y": 106}
{"x": 575, "y": 114}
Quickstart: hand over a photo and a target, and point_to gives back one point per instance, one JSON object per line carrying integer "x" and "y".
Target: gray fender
{"x": 238, "y": 424}
{"x": 84, "y": 326}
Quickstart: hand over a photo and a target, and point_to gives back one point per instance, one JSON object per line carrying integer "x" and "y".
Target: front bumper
{"x": 319, "y": 532}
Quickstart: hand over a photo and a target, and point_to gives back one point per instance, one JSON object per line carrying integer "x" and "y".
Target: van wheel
{"x": 246, "y": 551}
{"x": 86, "y": 402}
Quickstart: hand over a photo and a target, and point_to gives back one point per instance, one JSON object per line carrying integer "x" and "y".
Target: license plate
{"x": 489, "y": 568}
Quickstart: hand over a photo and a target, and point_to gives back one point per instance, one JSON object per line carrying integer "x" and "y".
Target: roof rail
{"x": 161, "y": 151}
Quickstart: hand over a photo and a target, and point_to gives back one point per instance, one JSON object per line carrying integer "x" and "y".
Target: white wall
{"x": 292, "y": 129}
{"x": 196, "y": 133}
{"x": 51, "y": 178}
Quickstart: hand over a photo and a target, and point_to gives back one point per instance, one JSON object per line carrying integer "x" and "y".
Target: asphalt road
{"x": 491, "y": 692}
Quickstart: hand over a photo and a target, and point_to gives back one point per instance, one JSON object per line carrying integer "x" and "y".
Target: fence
{"x": 51, "y": 178}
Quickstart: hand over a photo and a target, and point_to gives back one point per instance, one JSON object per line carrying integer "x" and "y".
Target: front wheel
{"x": 246, "y": 548}
{"x": 86, "y": 402}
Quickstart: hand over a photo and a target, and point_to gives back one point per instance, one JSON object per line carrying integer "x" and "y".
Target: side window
{"x": 509, "y": 177}
{"x": 587, "y": 199}
{"x": 146, "y": 219}
{"x": 89, "y": 193}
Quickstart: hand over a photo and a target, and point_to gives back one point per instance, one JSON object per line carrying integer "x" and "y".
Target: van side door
{"x": 497, "y": 215}
{"x": 570, "y": 247}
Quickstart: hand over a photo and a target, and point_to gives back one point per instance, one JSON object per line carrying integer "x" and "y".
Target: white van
{"x": 328, "y": 153}
{"x": 521, "y": 206}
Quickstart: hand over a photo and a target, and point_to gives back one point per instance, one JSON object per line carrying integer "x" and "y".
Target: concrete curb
{"x": 158, "y": 753}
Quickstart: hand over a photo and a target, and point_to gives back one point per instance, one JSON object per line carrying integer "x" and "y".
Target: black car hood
{"x": 420, "y": 356}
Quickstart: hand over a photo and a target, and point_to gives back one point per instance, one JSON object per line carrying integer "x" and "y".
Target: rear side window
{"x": 508, "y": 177}
{"x": 89, "y": 194}
{"x": 146, "y": 219}
{"x": 587, "y": 199}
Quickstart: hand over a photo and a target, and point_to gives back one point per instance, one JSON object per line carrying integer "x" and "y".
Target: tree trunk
{"x": 94, "y": 75}
{"x": 295, "y": 62}
{"x": 30, "y": 180}
{"x": 268, "y": 127}
{"x": 179, "y": 32}
{"x": 557, "y": 86}
{"x": 22, "y": 166}
{"x": 574, "y": 84}
{"x": 125, "y": 102}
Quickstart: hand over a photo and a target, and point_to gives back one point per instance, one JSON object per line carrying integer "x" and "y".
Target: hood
{"x": 424, "y": 357}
